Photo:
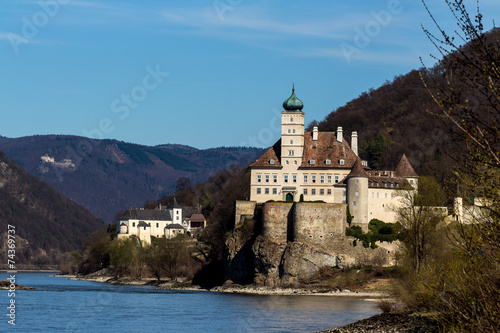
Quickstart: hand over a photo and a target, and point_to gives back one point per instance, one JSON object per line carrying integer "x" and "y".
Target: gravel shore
{"x": 392, "y": 322}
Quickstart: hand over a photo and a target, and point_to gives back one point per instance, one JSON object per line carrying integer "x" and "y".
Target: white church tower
{"x": 292, "y": 132}
{"x": 292, "y": 145}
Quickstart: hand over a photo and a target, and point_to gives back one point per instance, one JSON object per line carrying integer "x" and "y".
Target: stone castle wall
{"x": 243, "y": 209}
{"x": 277, "y": 218}
{"x": 308, "y": 222}
{"x": 319, "y": 223}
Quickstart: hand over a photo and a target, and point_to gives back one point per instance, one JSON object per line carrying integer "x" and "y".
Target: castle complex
{"x": 322, "y": 166}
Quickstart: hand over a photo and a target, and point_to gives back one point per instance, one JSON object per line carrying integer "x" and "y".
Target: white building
{"x": 144, "y": 223}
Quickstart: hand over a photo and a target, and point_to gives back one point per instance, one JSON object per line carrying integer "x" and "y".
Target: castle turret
{"x": 405, "y": 170}
{"x": 357, "y": 195}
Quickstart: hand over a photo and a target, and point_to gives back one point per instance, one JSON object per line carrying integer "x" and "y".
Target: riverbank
{"x": 392, "y": 322}
{"x": 229, "y": 287}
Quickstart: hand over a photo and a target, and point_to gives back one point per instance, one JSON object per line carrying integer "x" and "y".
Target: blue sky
{"x": 200, "y": 73}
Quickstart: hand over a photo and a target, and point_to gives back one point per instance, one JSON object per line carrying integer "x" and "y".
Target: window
{"x": 294, "y": 131}
{"x": 354, "y": 203}
{"x": 377, "y": 194}
{"x": 311, "y": 162}
{"x": 295, "y": 162}
{"x": 305, "y": 191}
{"x": 275, "y": 178}
{"x": 275, "y": 191}
{"x": 290, "y": 153}
{"x": 157, "y": 225}
{"x": 258, "y": 190}
{"x": 271, "y": 161}
{"x": 305, "y": 179}
{"x": 259, "y": 178}
{"x": 336, "y": 179}
{"x": 288, "y": 130}
{"x": 286, "y": 162}
{"x": 322, "y": 179}
{"x": 357, "y": 181}
{"x": 267, "y": 178}
{"x": 266, "y": 190}
{"x": 329, "y": 179}
{"x": 294, "y": 178}
{"x": 291, "y": 142}
{"x": 329, "y": 191}
{"x": 328, "y": 162}
{"x": 343, "y": 194}
{"x": 291, "y": 120}
{"x": 313, "y": 178}
{"x": 313, "y": 191}
{"x": 322, "y": 192}
{"x": 356, "y": 193}
{"x": 373, "y": 194}
{"x": 386, "y": 195}
{"x": 286, "y": 178}
{"x": 133, "y": 224}
{"x": 144, "y": 227}
{"x": 341, "y": 162}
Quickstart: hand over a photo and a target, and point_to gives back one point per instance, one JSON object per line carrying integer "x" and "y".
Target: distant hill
{"x": 106, "y": 176}
{"x": 46, "y": 222}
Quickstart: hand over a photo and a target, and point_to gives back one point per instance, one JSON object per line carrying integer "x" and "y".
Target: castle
{"x": 322, "y": 166}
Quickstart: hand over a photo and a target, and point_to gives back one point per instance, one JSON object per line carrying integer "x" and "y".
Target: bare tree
{"x": 468, "y": 285}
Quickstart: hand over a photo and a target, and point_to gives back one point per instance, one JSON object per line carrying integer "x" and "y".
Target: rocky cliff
{"x": 255, "y": 257}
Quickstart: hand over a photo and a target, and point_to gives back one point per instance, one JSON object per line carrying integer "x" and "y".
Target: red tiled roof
{"x": 404, "y": 168}
{"x": 326, "y": 148}
{"x": 381, "y": 181}
{"x": 357, "y": 170}
{"x": 272, "y": 153}
{"x": 197, "y": 218}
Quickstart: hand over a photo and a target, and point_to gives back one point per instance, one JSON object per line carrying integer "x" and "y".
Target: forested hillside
{"x": 401, "y": 116}
{"x": 46, "y": 223}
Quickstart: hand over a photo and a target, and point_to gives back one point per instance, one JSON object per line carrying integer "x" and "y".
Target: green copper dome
{"x": 293, "y": 103}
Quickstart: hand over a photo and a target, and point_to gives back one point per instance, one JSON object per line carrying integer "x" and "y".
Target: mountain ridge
{"x": 106, "y": 176}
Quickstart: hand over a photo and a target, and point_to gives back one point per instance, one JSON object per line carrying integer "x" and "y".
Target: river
{"x": 62, "y": 305}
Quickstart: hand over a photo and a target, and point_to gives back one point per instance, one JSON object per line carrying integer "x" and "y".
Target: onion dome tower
{"x": 292, "y": 103}
{"x": 292, "y": 141}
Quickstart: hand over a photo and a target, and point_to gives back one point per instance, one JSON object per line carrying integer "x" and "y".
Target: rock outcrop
{"x": 267, "y": 261}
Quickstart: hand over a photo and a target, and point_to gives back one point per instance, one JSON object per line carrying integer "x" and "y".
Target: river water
{"x": 62, "y": 305}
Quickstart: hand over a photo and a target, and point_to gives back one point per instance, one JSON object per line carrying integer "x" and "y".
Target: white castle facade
{"x": 322, "y": 166}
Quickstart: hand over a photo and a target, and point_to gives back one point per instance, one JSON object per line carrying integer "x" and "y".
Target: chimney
{"x": 339, "y": 134}
{"x": 315, "y": 133}
{"x": 354, "y": 142}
